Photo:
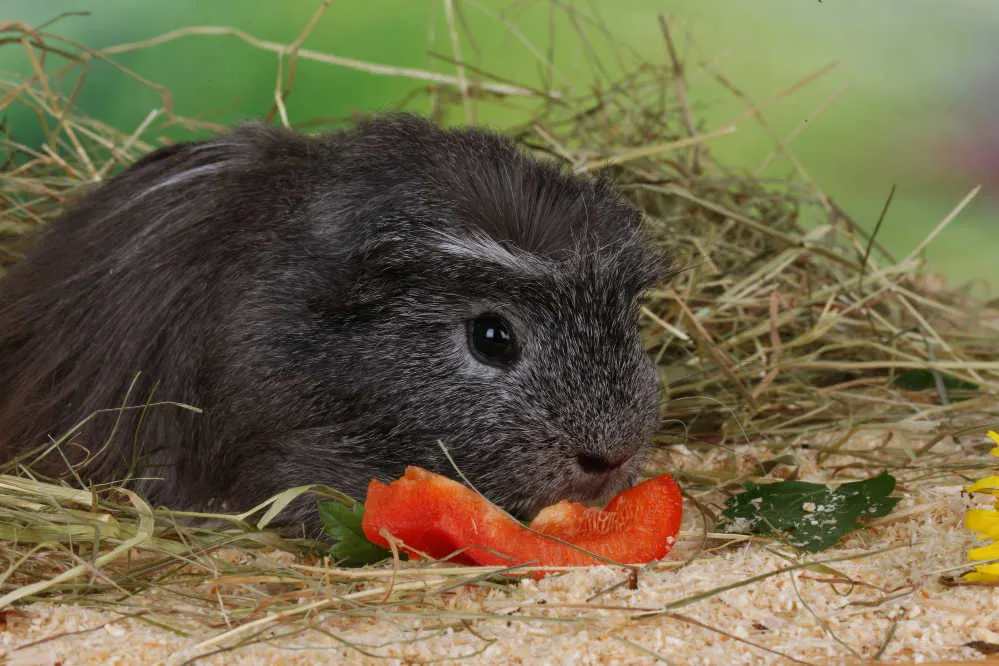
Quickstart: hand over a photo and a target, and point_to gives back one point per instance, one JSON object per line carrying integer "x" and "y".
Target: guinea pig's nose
{"x": 597, "y": 464}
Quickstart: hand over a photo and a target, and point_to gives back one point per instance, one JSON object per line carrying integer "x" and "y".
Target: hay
{"x": 790, "y": 344}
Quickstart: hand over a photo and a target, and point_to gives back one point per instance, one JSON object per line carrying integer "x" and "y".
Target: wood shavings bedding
{"x": 894, "y": 602}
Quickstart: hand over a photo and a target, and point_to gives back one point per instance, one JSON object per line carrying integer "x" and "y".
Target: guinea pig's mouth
{"x": 592, "y": 482}
{"x": 598, "y": 489}
{"x": 584, "y": 480}
{"x": 596, "y": 479}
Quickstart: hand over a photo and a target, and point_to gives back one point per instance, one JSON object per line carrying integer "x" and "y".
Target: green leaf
{"x": 921, "y": 380}
{"x": 343, "y": 524}
{"x": 809, "y": 515}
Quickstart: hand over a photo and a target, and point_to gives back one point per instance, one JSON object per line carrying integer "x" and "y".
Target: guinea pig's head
{"x": 463, "y": 294}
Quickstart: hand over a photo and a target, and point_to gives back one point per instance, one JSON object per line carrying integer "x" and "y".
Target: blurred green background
{"x": 922, "y": 77}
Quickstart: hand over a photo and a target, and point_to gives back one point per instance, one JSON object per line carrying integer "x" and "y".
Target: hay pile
{"x": 787, "y": 349}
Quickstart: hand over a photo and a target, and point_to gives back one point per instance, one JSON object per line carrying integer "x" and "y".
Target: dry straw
{"x": 770, "y": 331}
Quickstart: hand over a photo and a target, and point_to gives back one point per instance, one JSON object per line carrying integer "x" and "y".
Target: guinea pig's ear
{"x": 355, "y": 266}
{"x": 380, "y": 266}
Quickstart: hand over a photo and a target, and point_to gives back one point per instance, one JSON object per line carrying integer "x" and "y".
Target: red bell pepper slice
{"x": 438, "y": 516}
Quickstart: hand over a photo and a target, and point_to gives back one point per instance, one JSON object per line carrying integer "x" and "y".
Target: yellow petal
{"x": 993, "y": 435}
{"x": 989, "y": 484}
{"x": 985, "y": 521}
{"x": 989, "y": 552}
{"x": 985, "y": 573}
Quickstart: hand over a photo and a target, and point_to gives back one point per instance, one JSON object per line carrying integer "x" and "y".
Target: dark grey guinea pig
{"x": 337, "y": 305}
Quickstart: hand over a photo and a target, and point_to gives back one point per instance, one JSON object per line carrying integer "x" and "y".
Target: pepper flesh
{"x": 439, "y": 517}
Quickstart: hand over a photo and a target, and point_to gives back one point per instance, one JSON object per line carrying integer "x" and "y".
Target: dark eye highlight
{"x": 492, "y": 341}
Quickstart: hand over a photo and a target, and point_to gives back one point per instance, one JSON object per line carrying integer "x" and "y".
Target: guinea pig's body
{"x": 336, "y": 306}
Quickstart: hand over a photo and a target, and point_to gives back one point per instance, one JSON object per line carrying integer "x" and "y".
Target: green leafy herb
{"x": 921, "y": 380}
{"x": 809, "y": 515}
{"x": 343, "y": 524}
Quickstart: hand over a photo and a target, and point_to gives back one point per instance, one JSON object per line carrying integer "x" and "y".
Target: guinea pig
{"x": 338, "y": 307}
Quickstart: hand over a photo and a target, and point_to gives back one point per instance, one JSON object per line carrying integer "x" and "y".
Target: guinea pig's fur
{"x": 313, "y": 296}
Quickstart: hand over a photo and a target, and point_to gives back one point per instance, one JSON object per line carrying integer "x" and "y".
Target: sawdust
{"x": 895, "y": 602}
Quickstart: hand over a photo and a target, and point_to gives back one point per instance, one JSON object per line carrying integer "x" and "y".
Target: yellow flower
{"x": 983, "y": 573}
{"x": 989, "y": 484}
{"x": 985, "y": 522}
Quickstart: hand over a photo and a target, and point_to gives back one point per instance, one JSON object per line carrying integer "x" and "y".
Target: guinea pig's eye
{"x": 491, "y": 339}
